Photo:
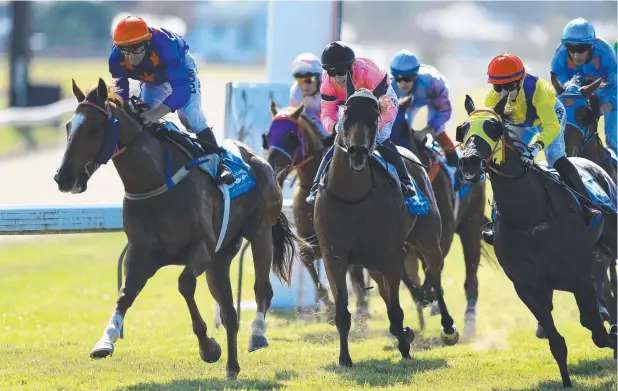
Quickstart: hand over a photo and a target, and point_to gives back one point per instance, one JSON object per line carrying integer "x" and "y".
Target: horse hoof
{"x": 540, "y": 333}
{"x": 257, "y": 342}
{"x": 231, "y": 375}
{"x": 435, "y": 309}
{"x": 102, "y": 349}
{"x": 213, "y": 355}
{"x": 409, "y": 334}
{"x": 469, "y": 331}
{"x": 450, "y": 339}
{"x": 345, "y": 362}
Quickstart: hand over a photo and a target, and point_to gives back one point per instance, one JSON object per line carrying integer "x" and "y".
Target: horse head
{"x": 482, "y": 135}
{"x": 582, "y": 111}
{"x": 284, "y": 138}
{"x": 93, "y": 136}
{"x": 360, "y": 122}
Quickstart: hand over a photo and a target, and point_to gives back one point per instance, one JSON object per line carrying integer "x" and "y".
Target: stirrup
{"x": 408, "y": 190}
{"x": 312, "y": 194}
{"x": 593, "y": 217}
{"x": 225, "y": 175}
{"x": 487, "y": 233}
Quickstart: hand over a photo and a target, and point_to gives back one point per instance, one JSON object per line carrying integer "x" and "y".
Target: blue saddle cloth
{"x": 231, "y": 157}
{"x": 418, "y": 204}
{"x": 434, "y": 148}
{"x": 596, "y": 193}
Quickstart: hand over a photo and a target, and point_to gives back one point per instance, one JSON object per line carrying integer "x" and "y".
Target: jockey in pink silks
{"x": 338, "y": 59}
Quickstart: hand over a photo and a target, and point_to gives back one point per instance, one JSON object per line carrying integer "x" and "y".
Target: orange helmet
{"x": 131, "y": 31}
{"x": 505, "y": 68}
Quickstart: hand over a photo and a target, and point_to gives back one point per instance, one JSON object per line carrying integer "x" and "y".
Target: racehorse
{"x": 173, "y": 214}
{"x": 294, "y": 142}
{"x": 582, "y": 139}
{"x": 362, "y": 218}
{"x": 541, "y": 240}
{"x": 461, "y": 213}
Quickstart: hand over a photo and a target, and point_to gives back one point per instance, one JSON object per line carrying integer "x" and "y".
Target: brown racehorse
{"x": 294, "y": 142}
{"x": 178, "y": 224}
{"x": 466, "y": 218}
{"x": 361, "y": 218}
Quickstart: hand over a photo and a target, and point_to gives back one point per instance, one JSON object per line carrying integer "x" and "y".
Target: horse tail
{"x": 487, "y": 252}
{"x": 284, "y": 249}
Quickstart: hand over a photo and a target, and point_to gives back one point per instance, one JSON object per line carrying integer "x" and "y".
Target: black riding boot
{"x": 568, "y": 173}
{"x": 224, "y": 174}
{"x": 389, "y": 152}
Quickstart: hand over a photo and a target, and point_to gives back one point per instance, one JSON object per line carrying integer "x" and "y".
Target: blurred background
{"x": 54, "y": 41}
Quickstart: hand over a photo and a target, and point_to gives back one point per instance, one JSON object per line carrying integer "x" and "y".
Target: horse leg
{"x": 469, "y": 234}
{"x": 589, "y": 316}
{"x": 540, "y": 333}
{"x": 434, "y": 261}
{"x": 336, "y": 269}
{"x": 388, "y": 286}
{"x": 137, "y": 272}
{"x": 357, "y": 276}
{"x": 412, "y": 281}
{"x": 210, "y": 350}
{"x": 307, "y": 258}
{"x": 262, "y": 250}
{"x": 599, "y": 275}
{"x": 539, "y": 303}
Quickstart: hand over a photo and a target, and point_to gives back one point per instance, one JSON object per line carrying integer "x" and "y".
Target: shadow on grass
{"x": 384, "y": 372}
{"x": 208, "y": 384}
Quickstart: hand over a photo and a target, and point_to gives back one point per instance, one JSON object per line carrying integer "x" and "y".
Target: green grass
{"x": 58, "y": 293}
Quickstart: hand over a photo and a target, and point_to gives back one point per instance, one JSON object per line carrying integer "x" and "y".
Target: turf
{"x": 58, "y": 293}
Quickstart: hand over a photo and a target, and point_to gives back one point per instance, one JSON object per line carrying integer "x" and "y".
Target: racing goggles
{"x": 127, "y": 50}
{"x": 337, "y": 71}
{"x": 506, "y": 86}
{"x": 306, "y": 79}
{"x": 577, "y": 47}
{"x": 405, "y": 79}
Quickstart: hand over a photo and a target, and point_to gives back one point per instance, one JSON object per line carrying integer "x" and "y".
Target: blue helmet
{"x": 404, "y": 63}
{"x": 579, "y": 30}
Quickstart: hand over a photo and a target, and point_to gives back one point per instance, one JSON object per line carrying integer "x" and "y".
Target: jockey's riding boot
{"x": 592, "y": 215}
{"x": 316, "y": 181}
{"x": 224, "y": 174}
{"x": 389, "y": 152}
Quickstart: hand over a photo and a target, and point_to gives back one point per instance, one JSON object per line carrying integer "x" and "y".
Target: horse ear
{"x": 557, "y": 86}
{"x": 298, "y": 111}
{"x": 499, "y": 108}
{"x": 273, "y": 108}
{"x": 591, "y": 88}
{"x": 381, "y": 88}
{"x": 469, "y": 105}
{"x": 77, "y": 92}
{"x": 349, "y": 85}
{"x": 102, "y": 90}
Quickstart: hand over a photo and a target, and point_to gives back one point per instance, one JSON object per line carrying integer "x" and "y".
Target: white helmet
{"x": 306, "y": 64}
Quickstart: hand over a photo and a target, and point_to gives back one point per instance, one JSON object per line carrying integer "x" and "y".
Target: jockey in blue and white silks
{"x": 582, "y": 53}
{"x": 427, "y": 87}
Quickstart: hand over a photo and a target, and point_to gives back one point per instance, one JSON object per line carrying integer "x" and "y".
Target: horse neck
{"x": 345, "y": 183}
{"x": 522, "y": 200}
{"x": 142, "y": 166}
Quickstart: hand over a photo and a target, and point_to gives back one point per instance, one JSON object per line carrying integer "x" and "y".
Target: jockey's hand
{"x": 151, "y": 116}
{"x": 605, "y": 107}
{"x": 528, "y": 155}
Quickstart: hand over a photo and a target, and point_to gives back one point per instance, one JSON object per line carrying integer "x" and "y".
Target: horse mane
{"x": 113, "y": 94}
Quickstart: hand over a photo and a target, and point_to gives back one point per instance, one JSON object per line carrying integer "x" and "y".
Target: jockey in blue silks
{"x": 161, "y": 61}
{"x": 582, "y": 53}
{"x": 427, "y": 87}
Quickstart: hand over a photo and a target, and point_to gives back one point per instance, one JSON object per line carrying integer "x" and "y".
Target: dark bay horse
{"x": 541, "y": 239}
{"x": 466, "y": 219}
{"x": 361, "y": 218}
{"x": 294, "y": 143}
{"x": 582, "y": 139}
{"x": 173, "y": 221}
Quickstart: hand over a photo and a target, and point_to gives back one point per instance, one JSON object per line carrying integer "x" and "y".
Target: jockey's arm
{"x": 438, "y": 93}
{"x": 547, "y": 115}
{"x": 328, "y": 109}
{"x": 178, "y": 77}
{"x": 608, "y": 61}
{"x": 121, "y": 82}
{"x": 559, "y": 64}
{"x": 492, "y": 98}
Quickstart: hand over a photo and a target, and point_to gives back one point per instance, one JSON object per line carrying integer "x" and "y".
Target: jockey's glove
{"x": 151, "y": 116}
{"x": 529, "y": 154}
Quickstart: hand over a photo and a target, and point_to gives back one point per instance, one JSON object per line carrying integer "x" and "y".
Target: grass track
{"x": 58, "y": 293}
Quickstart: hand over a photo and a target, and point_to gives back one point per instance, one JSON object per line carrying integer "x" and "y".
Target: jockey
{"x": 535, "y": 109}
{"x": 582, "y": 53}
{"x": 168, "y": 77}
{"x": 337, "y": 60}
{"x": 307, "y": 70}
{"x": 427, "y": 87}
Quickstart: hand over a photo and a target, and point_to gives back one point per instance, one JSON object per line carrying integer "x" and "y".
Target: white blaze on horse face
{"x": 75, "y": 122}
